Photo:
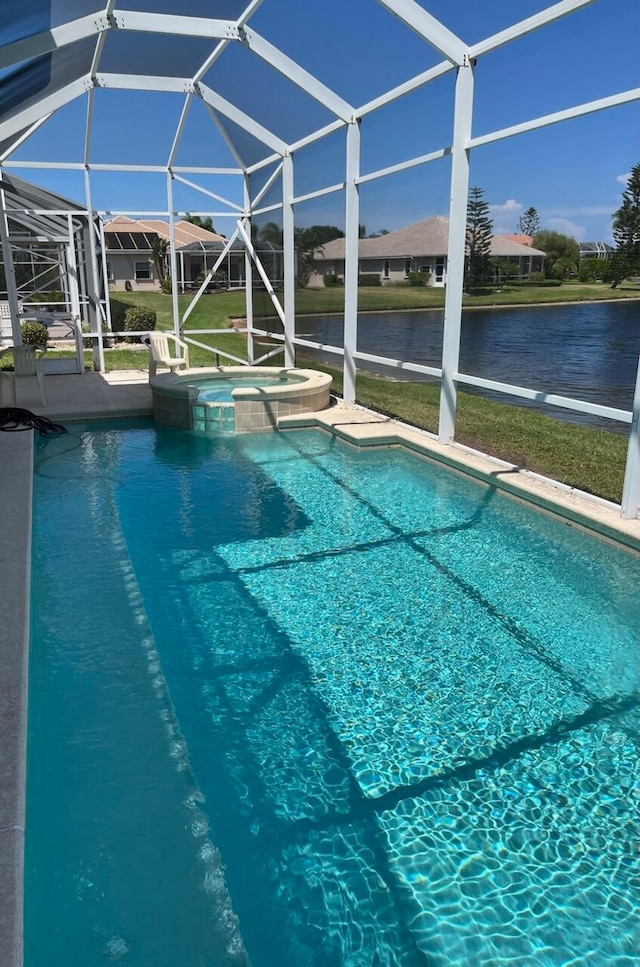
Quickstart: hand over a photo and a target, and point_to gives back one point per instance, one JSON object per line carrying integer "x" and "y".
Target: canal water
{"x": 586, "y": 351}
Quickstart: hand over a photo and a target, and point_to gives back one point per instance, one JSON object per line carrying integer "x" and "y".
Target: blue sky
{"x": 572, "y": 173}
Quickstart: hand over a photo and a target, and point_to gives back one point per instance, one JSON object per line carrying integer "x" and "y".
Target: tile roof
{"x": 185, "y": 232}
{"x": 426, "y": 238}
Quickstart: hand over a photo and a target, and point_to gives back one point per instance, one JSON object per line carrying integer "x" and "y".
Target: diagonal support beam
{"x": 422, "y": 23}
{"x": 293, "y": 72}
{"x": 263, "y": 275}
{"x": 556, "y": 12}
{"x": 238, "y": 117}
{"x": 48, "y": 40}
{"x": 45, "y": 106}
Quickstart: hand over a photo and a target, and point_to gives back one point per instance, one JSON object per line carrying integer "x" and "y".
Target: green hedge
{"x": 369, "y": 279}
{"x": 118, "y": 311}
{"x": 138, "y": 318}
{"x": 529, "y": 284}
{"x": 35, "y": 334}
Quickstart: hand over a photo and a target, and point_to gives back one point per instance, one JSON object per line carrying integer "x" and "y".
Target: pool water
{"x": 219, "y": 389}
{"x": 293, "y": 704}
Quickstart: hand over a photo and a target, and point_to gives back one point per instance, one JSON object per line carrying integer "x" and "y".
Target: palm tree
{"x": 159, "y": 251}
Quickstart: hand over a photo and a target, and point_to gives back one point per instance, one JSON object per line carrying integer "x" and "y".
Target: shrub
{"x": 330, "y": 280}
{"x": 38, "y": 297}
{"x": 138, "y": 318}
{"x": 118, "y": 310}
{"x": 88, "y": 341}
{"x": 528, "y": 284}
{"x": 166, "y": 286}
{"x": 588, "y": 271}
{"x": 35, "y": 334}
{"x": 369, "y": 279}
{"x": 535, "y": 277}
{"x": 418, "y": 278}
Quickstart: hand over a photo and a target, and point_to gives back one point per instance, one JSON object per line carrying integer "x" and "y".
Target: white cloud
{"x": 566, "y": 227}
{"x": 510, "y": 207}
{"x": 623, "y": 179}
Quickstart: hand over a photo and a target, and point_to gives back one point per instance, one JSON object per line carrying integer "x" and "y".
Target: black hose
{"x": 14, "y": 418}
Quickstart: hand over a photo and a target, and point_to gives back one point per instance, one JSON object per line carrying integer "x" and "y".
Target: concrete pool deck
{"x": 127, "y": 394}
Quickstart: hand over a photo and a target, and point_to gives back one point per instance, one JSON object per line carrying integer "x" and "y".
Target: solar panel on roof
{"x": 112, "y": 240}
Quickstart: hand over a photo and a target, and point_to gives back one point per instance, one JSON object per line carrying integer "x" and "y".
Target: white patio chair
{"x": 27, "y": 361}
{"x": 160, "y": 352}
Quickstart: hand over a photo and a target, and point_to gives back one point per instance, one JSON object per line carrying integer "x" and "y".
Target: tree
{"x": 159, "y": 251}
{"x": 270, "y": 233}
{"x": 479, "y": 232}
{"x": 529, "y": 223}
{"x": 206, "y": 222}
{"x": 558, "y": 248}
{"x": 308, "y": 243}
{"x": 626, "y": 232}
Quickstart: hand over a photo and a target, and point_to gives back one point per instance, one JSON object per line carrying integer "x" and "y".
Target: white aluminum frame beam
{"x": 173, "y": 259}
{"x": 212, "y": 271}
{"x": 23, "y": 137}
{"x": 528, "y": 26}
{"x": 238, "y": 117}
{"x": 9, "y": 270}
{"x": 225, "y": 137}
{"x": 248, "y": 280}
{"x": 210, "y": 194}
{"x": 406, "y": 88}
{"x": 165, "y": 23}
{"x": 630, "y": 508}
{"x": 52, "y": 39}
{"x": 463, "y": 116}
{"x": 412, "y": 163}
{"x": 289, "y": 270}
{"x": 316, "y": 135}
{"x": 351, "y": 261}
{"x": 579, "y": 110}
{"x": 47, "y": 105}
{"x": 179, "y": 129}
{"x": 422, "y": 23}
{"x": 268, "y": 184}
{"x": 262, "y": 273}
{"x": 296, "y": 74}
{"x": 330, "y": 190}
{"x": 564, "y": 402}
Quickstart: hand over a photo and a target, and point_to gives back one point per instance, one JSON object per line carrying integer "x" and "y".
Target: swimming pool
{"x": 299, "y": 704}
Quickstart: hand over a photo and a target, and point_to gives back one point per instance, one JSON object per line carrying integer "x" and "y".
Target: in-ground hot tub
{"x": 240, "y": 399}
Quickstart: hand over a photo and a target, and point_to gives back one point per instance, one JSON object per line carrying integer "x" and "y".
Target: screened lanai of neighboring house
{"x": 269, "y": 116}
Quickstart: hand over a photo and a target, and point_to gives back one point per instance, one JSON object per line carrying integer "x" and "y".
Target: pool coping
{"x": 16, "y": 488}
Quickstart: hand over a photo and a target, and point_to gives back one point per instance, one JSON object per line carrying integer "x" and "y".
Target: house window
{"x": 407, "y": 268}
{"x": 385, "y": 269}
{"x": 440, "y": 270}
{"x": 110, "y": 275}
{"x": 142, "y": 271}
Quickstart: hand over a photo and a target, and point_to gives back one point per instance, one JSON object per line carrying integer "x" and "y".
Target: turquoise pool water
{"x": 292, "y": 704}
{"x": 219, "y": 389}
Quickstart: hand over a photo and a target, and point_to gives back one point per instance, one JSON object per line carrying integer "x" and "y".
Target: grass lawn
{"x": 592, "y": 460}
{"x": 216, "y": 311}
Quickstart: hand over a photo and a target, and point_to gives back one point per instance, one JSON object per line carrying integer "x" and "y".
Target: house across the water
{"x": 131, "y": 264}
{"x": 421, "y": 247}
